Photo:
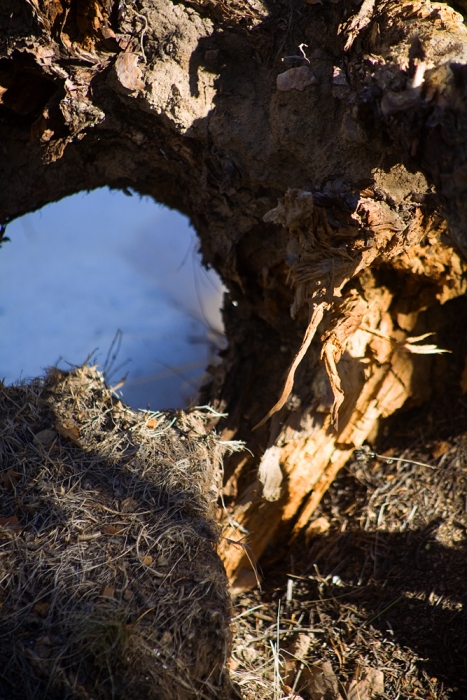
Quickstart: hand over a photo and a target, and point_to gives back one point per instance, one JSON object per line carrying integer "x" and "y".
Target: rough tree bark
{"x": 320, "y": 149}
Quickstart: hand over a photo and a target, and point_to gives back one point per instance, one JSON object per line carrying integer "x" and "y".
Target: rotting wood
{"x": 375, "y": 377}
{"x": 179, "y": 100}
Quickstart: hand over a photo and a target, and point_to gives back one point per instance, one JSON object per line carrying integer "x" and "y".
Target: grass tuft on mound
{"x": 110, "y": 585}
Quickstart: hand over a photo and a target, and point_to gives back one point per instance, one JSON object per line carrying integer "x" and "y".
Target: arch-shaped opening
{"x": 116, "y": 276}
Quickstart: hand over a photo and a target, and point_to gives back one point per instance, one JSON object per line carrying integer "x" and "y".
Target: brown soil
{"x": 381, "y": 577}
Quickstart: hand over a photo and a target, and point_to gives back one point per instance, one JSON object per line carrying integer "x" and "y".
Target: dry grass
{"x": 109, "y": 581}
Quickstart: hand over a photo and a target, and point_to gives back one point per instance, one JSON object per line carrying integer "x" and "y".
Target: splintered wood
{"x": 367, "y": 369}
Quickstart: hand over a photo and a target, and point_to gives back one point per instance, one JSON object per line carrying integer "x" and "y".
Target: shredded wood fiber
{"x": 323, "y": 258}
{"x": 110, "y": 583}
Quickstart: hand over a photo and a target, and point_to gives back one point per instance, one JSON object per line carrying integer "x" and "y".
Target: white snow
{"x": 80, "y": 269}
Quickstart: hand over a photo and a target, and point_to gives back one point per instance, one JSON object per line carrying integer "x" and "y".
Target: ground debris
{"x": 110, "y": 583}
{"x": 322, "y": 683}
{"x": 370, "y": 603}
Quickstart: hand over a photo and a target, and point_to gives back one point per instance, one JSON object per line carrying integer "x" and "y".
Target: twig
{"x": 247, "y": 612}
{"x": 375, "y": 617}
{"x": 303, "y": 57}
{"x": 390, "y": 460}
{"x": 292, "y": 630}
{"x": 143, "y": 32}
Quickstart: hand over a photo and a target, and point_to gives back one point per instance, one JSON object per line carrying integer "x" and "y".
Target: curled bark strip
{"x": 345, "y": 321}
{"x": 329, "y": 356}
{"x": 316, "y": 318}
{"x": 313, "y": 276}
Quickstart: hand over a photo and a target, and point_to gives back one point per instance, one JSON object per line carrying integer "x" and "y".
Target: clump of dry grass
{"x": 110, "y": 586}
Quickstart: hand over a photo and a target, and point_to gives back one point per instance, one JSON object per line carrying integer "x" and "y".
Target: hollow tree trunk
{"x": 320, "y": 149}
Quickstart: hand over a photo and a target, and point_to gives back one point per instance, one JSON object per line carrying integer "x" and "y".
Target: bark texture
{"x": 320, "y": 149}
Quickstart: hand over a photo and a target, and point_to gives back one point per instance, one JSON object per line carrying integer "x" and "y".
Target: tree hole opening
{"x": 116, "y": 276}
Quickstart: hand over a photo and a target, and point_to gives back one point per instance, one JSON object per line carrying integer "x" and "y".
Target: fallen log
{"x": 372, "y": 366}
{"x": 319, "y": 149}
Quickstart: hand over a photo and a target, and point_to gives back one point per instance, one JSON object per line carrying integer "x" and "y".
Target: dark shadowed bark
{"x": 320, "y": 149}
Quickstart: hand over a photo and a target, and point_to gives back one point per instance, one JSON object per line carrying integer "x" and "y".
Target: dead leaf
{"x": 72, "y": 427}
{"x": 108, "y": 592}
{"x": 289, "y": 671}
{"x": 112, "y": 529}
{"x": 321, "y": 682}
{"x": 439, "y": 449}
{"x": 11, "y": 524}
{"x": 234, "y": 664}
{"x": 70, "y": 431}
{"x": 128, "y": 72}
{"x": 371, "y": 683}
{"x": 152, "y": 423}
{"x": 147, "y": 560}
{"x": 128, "y": 505}
{"x": 166, "y": 638}
{"x": 42, "y": 609}
{"x": 10, "y": 478}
